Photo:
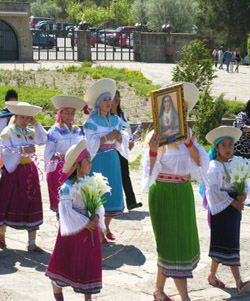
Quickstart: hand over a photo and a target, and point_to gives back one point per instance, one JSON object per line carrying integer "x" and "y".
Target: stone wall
{"x": 17, "y": 17}
{"x": 154, "y": 47}
{"x": 84, "y": 45}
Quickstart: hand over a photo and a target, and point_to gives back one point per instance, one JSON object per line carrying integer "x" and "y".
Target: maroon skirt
{"x": 55, "y": 179}
{"x": 76, "y": 262}
{"x": 20, "y": 198}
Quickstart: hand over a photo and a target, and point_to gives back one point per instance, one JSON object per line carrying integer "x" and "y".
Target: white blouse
{"x": 13, "y": 138}
{"x": 3, "y": 123}
{"x": 97, "y": 127}
{"x": 60, "y": 140}
{"x": 176, "y": 162}
{"x": 127, "y": 129}
{"x": 72, "y": 211}
{"x": 218, "y": 200}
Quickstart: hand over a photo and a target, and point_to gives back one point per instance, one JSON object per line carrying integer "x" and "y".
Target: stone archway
{"x": 8, "y": 43}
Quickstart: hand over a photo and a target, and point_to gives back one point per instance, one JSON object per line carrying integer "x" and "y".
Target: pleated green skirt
{"x": 172, "y": 212}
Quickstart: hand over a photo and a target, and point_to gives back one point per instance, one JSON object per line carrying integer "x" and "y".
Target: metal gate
{"x": 54, "y": 45}
{"x": 8, "y": 43}
{"x": 108, "y": 47}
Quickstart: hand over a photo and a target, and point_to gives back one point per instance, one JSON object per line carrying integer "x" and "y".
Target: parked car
{"x": 63, "y": 28}
{"x": 114, "y": 41}
{"x": 130, "y": 41}
{"x": 35, "y": 20}
{"x": 43, "y": 39}
{"x": 124, "y": 39}
{"x": 93, "y": 38}
{"x": 46, "y": 25}
{"x": 102, "y": 35}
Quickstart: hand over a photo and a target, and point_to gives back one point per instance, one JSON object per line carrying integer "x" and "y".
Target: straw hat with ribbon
{"x": 23, "y": 108}
{"x": 75, "y": 154}
{"x": 105, "y": 87}
{"x": 63, "y": 102}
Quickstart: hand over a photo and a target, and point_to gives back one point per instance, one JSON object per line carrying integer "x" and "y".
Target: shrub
{"x": 208, "y": 114}
{"x": 196, "y": 65}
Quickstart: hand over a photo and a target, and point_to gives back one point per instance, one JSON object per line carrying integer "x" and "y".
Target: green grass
{"x": 135, "y": 165}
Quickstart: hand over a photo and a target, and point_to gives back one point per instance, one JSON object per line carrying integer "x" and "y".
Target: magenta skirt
{"x": 77, "y": 263}
{"x": 21, "y": 201}
{"x": 55, "y": 180}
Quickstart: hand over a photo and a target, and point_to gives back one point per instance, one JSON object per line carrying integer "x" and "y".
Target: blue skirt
{"x": 107, "y": 163}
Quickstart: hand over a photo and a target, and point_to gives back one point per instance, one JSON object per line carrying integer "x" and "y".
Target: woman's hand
{"x": 29, "y": 149}
{"x": 118, "y": 136}
{"x": 111, "y": 136}
{"x": 154, "y": 143}
{"x": 131, "y": 145}
{"x": 242, "y": 198}
{"x": 57, "y": 156}
{"x": 238, "y": 205}
{"x": 93, "y": 224}
{"x": 33, "y": 120}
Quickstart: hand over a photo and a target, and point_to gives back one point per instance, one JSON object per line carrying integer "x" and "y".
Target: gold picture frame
{"x": 168, "y": 113}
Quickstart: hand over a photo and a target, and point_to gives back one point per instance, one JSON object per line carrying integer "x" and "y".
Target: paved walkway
{"x": 129, "y": 266}
{"x": 235, "y": 86}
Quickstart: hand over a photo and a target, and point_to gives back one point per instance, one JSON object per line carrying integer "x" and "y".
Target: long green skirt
{"x": 172, "y": 212}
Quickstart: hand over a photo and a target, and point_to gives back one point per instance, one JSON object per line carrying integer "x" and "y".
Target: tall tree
{"x": 224, "y": 21}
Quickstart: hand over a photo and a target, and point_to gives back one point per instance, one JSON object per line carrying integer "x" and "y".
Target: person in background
{"x": 242, "y": 122}
{"x": 232, "y": 61}
{"x": 5, "y": 114}
{"x": 237, "y": 60}
{"x": 61, "y": 136}
{"x": 215, "y": 56}
{"x": 221, "y": 57}
{"x": 126, "y": 181}
{"x": 227, "y": 58}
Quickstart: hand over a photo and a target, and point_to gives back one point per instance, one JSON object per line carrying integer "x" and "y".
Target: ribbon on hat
{"x": 82, "y": 155}
{"x": 85, "y": 110}
{"x": 98, "y": 100}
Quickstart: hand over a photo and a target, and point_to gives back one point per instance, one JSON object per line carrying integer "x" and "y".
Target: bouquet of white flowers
{"x": 240, "y": 171}
{"x": 94, "y": 188}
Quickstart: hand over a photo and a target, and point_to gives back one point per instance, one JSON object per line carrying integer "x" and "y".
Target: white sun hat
{"x": 223, "y": 131}
{"x": 68, "y": 102}
{"x": 105, "y": 85}
{"x": 73, "y": 153}
{"x": 23, "y": 108}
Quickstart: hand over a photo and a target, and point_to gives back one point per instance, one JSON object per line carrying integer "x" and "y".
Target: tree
{"x": 196, "y": 65}
{"x": 180, "y": 14}
{"x": 45, "y": 9}
{"x": 224, "y": 21}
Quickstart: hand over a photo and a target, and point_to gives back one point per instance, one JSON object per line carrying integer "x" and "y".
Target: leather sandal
{"x": 216, "y": 282}
{"x": 106, "y": 242}
{"x": 243, "y": 287}
{"x": 166, "y": 298}
{"x": 58, "y": 296}
{"x": 36, "y": 250}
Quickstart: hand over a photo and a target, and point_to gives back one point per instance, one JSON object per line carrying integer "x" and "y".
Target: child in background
{"x": 21, "y": 201}
{"x": 225, "y": 207}
{"x": 76, "y": 261}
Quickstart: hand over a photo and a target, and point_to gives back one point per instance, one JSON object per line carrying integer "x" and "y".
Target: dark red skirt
{"x": 76, "y": 262}
{"x": 20, "y": 198}
{"x": 55, "y": 180}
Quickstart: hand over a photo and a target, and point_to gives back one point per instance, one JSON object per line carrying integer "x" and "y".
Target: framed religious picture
{"x": 168, "y": 113}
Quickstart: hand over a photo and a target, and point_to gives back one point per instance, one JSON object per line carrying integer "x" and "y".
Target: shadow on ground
{"x": 9, "y": 259}
{"x": 115, "y": 256}
{"x": 133, "y": 215}
{"x": 234, "y": 295}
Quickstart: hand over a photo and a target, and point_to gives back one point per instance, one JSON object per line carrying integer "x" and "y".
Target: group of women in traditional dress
{"x": 70, "y": 157}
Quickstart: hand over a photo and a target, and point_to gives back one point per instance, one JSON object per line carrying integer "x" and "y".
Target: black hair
{"x": 73, "y": 176}
{"x": 247, "y": 108}
{"x": 11, "y": 94}
{"x": 120, "y": 112}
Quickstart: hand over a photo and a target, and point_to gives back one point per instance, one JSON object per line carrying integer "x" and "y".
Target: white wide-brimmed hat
{"x": 68, "y": 102}
{"x": 105, "y": 85}
{"x": 23, "y": 108}
{"x": 73, "y": 153}
{"x": 223, "y": 131}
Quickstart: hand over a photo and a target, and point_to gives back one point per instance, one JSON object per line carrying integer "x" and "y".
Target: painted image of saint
{"x": 169, "y": 119}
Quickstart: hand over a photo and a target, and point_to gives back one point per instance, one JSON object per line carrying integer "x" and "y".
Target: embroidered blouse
{"x": 60, "y": 140}
{"x": 97, "y": 127}
{"x": 176, "y": 162}
{"x": 13, "y": 138}
{"x": 217, "y": 198}
{"x": 73, "y": 211}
